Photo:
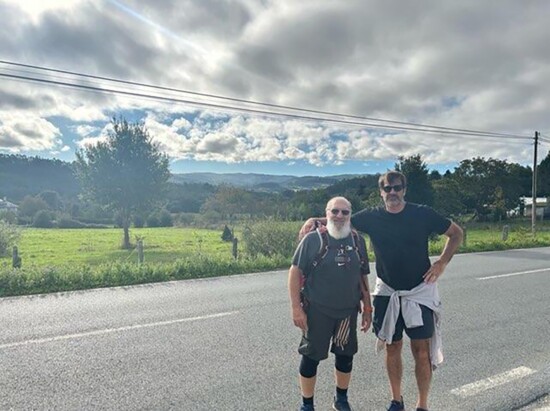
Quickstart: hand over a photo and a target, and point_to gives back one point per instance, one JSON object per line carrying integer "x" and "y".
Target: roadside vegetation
{"x": 117, "y": 217}
{"x": 72, "y": 259}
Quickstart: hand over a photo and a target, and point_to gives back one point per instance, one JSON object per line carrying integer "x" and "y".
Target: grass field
{"x": 43, "y": 247}
{"x": 74, "y": 259}
{"x": 52, "y": 247}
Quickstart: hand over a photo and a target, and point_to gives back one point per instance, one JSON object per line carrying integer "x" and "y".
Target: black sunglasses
{"x": 397, "y": 188}
{"x": 335, "y": 211}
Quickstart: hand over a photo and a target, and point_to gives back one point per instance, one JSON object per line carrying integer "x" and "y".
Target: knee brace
{"x": 308, "y": 367}
{"x": 343, "y": 363}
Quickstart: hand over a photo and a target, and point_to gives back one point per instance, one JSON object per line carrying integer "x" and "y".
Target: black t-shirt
{"x": 334, "y": 285}
{"x": 400, "y": 241}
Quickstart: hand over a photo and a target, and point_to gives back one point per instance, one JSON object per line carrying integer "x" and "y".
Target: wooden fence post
{"x": 505, "y": 231}
{"x": 140, "y": 251}
{"x": 15, "y": 260}
{"x": 235, "y": 248}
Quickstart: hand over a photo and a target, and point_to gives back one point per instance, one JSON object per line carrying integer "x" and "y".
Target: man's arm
{"x": 294, "y": 284}
{"x": 367, "y": 305}
{"x": 454, "y": 239}
{"x": 310, "y": 224}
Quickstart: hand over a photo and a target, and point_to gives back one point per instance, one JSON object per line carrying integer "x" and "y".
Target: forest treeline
{"x": 483, "y": 188}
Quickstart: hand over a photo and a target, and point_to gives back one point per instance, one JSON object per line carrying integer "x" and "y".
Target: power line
{"x": 253, "y": 111}
{"x": 277, "y": 106}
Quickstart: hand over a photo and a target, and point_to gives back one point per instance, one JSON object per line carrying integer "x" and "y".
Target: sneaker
{"x": 307, "y": 407}
{"x": 397, "y": 405}
{"x": 421, "y": 409}
{"x": 341, "y": 404}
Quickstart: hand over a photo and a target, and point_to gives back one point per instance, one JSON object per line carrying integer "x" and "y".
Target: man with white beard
{"x": 328, "y": 285}
{"x": 406, "y": 297}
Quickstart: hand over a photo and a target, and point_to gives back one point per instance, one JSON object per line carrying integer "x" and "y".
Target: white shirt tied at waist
{"x": 410, "y": 301}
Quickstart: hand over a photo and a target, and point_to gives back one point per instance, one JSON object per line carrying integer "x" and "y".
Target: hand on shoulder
{"x": 309, "y": 226}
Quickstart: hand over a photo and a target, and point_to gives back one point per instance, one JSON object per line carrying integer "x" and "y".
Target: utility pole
{"x": 534, "y": 186}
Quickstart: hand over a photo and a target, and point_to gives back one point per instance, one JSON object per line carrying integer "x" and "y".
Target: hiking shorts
{"x": 426, "y": 331}
{"x": 324, "y": 331}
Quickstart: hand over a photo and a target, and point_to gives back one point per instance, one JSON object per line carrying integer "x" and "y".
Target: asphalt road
{"x": 228, "y": 344}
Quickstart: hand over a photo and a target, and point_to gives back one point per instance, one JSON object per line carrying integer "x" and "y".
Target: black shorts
{"x": 426, "y": 331}
{"x": 324, "y": 331}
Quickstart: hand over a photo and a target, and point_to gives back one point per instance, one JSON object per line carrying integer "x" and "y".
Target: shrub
{"x": 227, "y": 235}
{"x": 8, "y": 216}
{"x": 187, "y": 219}
{"x": 68, "y": 222}
{"x": 153, "y": 220}
{"x": 43, "y": 219}
{"x": 165, "y": 219}
{"x": 139, "y": 221}
{"x": 271, "y": 238}
{"x": 9, "y": 235}
{"x": 30, "y": 206}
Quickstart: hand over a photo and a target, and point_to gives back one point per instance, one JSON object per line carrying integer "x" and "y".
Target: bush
{"x": 8, "y": 216}
{"x": 153, "y": 220}
{"x": 227, "y": 235}
{"x": 187, "y": 219}
{"x": 9, "y": 235}
{"x": 30, "y": 206}
{"x": 68, "y": 222}
{"x": 271, "y": 238}
{"x": 165, "y": 219}
{"x": 139, "y": 221}
{"x": 43, "y": 219}
{"x": 160, "y": 218}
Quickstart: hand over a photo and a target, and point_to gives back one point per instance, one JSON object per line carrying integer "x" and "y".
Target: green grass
{"x": 71, "y": 259}
{"x": 42, "y": 247}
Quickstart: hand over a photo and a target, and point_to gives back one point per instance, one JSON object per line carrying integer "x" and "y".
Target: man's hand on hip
{"x": 435, "y": 271}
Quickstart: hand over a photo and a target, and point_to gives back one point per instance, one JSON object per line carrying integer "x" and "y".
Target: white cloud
{"x": 465, "y": 65}
{"x": 21, "y": 133}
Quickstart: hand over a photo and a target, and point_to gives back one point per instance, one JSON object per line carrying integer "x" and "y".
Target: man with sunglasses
{"x": 326, "y": 304}
{"x": 406, "y": 296}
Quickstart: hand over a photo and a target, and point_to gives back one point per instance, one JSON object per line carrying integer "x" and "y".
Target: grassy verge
{"x": 65, "y": 259}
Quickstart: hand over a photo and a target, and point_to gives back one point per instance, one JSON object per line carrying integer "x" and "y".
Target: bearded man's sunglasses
{"x": 397, "y": 188}
{"x": 335, "y": 211}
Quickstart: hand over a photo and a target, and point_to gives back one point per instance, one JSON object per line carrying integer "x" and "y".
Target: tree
{"x": 127, "y": 172}
{"x": 30, "y": 206}
{"x": 543, "y": 176}
{"x": 479, "y": 178}
{"x": 419, "y": 189}
{"x": 51, "y": 198}
{"x": 447, "y": 198}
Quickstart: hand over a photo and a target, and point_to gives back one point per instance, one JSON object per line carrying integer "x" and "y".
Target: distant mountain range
{"x": 261, "y": 182}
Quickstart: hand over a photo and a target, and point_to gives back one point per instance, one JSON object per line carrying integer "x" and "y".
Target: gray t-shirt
{"x": 334, "y": 285}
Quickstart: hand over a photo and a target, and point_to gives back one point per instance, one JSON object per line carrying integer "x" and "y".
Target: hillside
{"x": 21, "y": 176}
{"x": 260, "y": 182}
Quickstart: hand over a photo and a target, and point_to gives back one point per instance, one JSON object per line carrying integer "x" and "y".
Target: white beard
{"x": 338, "y": 232}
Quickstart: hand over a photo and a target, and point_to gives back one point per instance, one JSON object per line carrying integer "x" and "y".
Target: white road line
{"x": 114, "y": 330}
{"x": 491, "y": 382}
{"x": 513, "y": 274}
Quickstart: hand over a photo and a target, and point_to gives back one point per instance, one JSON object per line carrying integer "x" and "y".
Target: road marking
{"x": 513, "y": 274}
{"x": 114, "y": 330}
{"x": 491, "y": 382}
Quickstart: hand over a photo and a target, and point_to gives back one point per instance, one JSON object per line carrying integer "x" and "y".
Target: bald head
{"x": 338, "y": 202}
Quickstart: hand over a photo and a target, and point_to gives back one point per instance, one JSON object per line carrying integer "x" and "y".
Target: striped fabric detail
{"x": 341, "y": 336}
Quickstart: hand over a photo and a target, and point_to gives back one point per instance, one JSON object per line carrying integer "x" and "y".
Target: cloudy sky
{"x": 468, "y": 65}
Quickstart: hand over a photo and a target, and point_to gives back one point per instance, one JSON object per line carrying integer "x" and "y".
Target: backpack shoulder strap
{"x": 361, "y": 251}
{"x": 323, "y": 248}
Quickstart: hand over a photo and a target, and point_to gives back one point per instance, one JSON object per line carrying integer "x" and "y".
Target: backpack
{"x": 322, "y": 253}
